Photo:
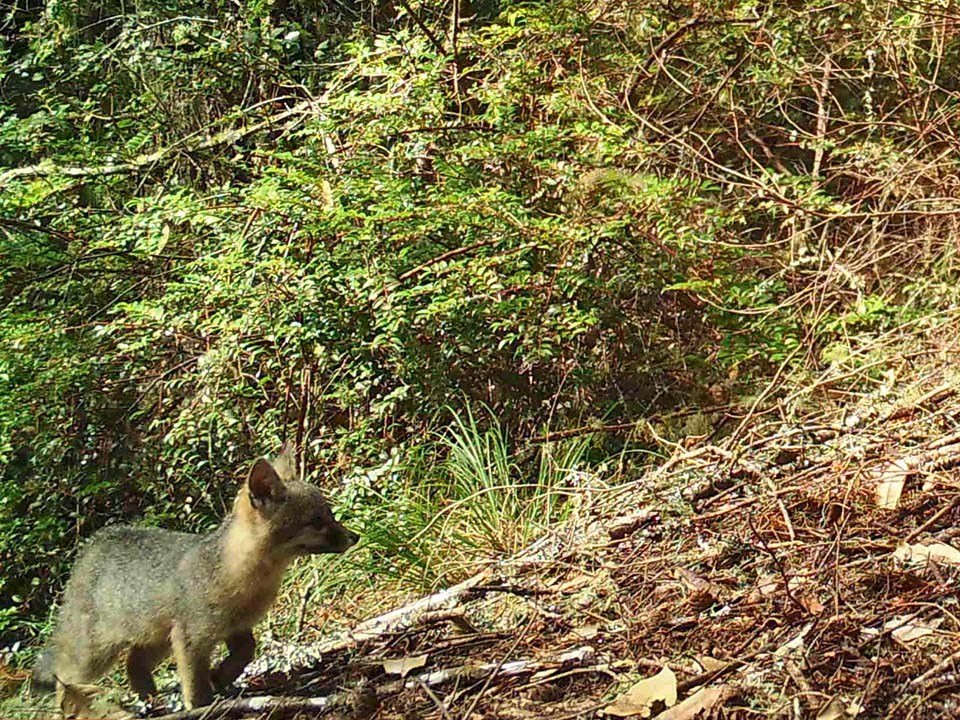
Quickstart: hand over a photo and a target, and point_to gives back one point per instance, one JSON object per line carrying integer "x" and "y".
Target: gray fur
{"x": 146, "y": 593}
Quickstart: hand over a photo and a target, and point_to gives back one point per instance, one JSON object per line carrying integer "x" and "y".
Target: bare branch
{"x": 225, "y": 137}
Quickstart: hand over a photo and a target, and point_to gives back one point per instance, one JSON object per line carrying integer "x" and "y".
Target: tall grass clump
{"x": 429, "y": 516}
{"x": 499, "y": 499}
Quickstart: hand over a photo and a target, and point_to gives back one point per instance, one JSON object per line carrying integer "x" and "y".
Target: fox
{"x": 144, "y": 594}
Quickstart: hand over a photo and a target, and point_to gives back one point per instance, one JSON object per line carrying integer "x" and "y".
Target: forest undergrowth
{"x": 476, "y": 259}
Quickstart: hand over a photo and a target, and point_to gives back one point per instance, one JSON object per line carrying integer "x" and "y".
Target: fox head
{"x": 294, "y": 515}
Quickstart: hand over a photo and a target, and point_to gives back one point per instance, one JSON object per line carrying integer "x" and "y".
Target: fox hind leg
{"x": 141, "y": 661}
{"x": 240, "y": 647}
{"x": 76, "y": 664}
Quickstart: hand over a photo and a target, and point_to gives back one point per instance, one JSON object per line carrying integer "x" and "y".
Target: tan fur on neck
{"x": 251, "y": 571}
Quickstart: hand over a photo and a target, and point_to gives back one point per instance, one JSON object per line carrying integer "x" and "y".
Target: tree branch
{"x": 47, "y": 168}
{"x": 426, "y": 31}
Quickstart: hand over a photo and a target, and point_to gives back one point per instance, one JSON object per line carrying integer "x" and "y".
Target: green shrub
{"x": 227, "y": 226}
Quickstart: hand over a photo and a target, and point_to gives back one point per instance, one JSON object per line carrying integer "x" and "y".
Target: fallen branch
{"x": 369, "y": 697}
{"x": 261, "y": 704}
{"x": 932, "y": 397}
{"x": 946, "y": 662}
{"x": 403, "y": 618}
{"x": 573, "y": 658}
{"x": 511, "y": 590}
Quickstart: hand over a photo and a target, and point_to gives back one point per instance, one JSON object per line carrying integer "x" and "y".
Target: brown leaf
{"x": 402, "y": 666}
{"x": 644, "y": 695}
{"x": 701, "y": 593}
{"x": 890, "y": 479}
{"x": 812, "y": 604}
{"x": 766, "y": 586}
{"x": 837, "y": 709}
{"x": 833, "y": 710}
{"x": 710, "y": 664}
{"x": 692, "y": 581}
{"x": 921, "y": 554}
{"x": 700, "y": 701}
{"x": 577, "y": 582}
{"x": 905, "y": 628}
{"x": 626, "y": 525}
{"x": 586, "y": 632}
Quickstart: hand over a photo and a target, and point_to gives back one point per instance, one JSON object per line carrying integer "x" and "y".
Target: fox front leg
{"x": 193, "y": 667}
{"x": 240, "y": 646}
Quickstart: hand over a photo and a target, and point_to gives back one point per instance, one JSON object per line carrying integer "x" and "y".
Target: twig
{"x": 306, "y": 380}
{"x": 512, "y": 590}
{"x": 933, "y": 519}
{"x": 455, "y": 616}
{"x": 673, "y": 37}
{"x": 762, "y": 396}
{"x": 588, "y": 710}
{"x": 455, "y": 63}
{"x": 936, "y": 395}
{"x": 578, "y": 656}
{"x": 946, "y": 662}
{"x": 438, "y": 46}
{"x": 600, "y": 669}
{"x": 783, "y": 511}
{"x": 453, "y": 127}
{"x": 307, "y": 594}
{"x": 728, "y": 509}
{"x": 456, "y": 252}
{"x": 25, "y": 227}
{"x": 779, "y": 565}
{"x": 441, "y": 706}
{"x": 496, "y": 669}
{"x": 823, "y": 117}
{"x": 711, "y": 675}
{"x": 582, "y": 655}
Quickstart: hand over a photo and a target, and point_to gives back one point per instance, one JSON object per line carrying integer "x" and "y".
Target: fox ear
{"x": 263, "y": 484}
{"x": 289, "y": 447}
{"x": 285, "y": 464}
